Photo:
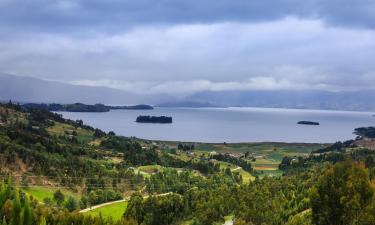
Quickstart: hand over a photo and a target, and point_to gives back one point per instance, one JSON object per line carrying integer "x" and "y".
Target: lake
{"x": 230, "y": 125}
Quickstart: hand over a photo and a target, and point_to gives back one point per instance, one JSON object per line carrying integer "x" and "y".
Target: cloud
{"x": 288, "y": 50}
{"x": 192, "y": 86}
{"x": 185, "y": 88}
{"x": 117, "y": 15}
{"x": 169, "y": 46}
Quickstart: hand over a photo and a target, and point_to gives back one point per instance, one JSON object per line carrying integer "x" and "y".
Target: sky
{"x": 186, "y": 46}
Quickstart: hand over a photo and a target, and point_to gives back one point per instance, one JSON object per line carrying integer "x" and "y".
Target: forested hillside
{"x": 51, "y": 168}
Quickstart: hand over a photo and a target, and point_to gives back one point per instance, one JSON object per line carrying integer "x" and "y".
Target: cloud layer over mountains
{"x": 184, "y": 47}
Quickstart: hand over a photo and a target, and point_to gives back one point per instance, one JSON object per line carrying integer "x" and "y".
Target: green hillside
{"x": 52, "y": 168}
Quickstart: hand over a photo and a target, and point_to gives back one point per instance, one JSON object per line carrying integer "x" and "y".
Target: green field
{"x": 150, "y": 168}
{"x": 40, "y": 193}
{"x": 265, "y": 157}
{"x": 61, "y": 129}
{"x": 115, "y": 211}
{"x": 246, "y": 176}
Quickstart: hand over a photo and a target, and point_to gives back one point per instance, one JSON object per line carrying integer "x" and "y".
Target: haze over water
{"x": 231, "y": 124}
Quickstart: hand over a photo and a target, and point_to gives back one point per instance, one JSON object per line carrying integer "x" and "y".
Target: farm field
{"x": 115, "y": 210}
{"x": 266, "y": 155}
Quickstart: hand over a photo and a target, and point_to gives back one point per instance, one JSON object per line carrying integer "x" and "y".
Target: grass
{"x": 246, "y": 176}
{"x": 187, "y": 222}
{"x": 259, "y": 147}
{"x": 270, "y": 173}
{"x": 150, "y": 168}
{"x": 40, "y": 193}
{"x": 224, "y": 165}
{"x": 83, "y": 135}
{"x": 115, "y": 211}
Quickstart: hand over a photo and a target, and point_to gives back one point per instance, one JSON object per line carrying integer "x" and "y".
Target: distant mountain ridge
{"x": 346, "y": 100}
{"x": 188, "y": 104}
{"x": 28, "y": 89}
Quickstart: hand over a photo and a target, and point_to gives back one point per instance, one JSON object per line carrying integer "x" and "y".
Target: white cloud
{"x": 192, "y": 86}
{"x": 285, "y": 54}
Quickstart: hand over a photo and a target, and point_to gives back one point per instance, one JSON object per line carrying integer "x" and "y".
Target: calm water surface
{"x": 231, "y": 124}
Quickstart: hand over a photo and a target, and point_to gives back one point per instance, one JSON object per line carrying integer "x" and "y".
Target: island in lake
{"x": 308, "y": 123}
{"x": 154, "y": 119}
{"x": 80, "y": 107}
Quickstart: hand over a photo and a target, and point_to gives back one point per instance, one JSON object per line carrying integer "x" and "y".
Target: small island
{"x": 154, "y": 119}
{"x": 308, "y": 123}
{"x": 133, "y": 107}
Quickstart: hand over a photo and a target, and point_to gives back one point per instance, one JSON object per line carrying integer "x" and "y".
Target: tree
{"x": 47, "y": 201}
{"x": 4, "y": 221}
{"x": 43, "y": 221}
{"x": 98, "y": 133}
{"x": 135, "y": 208}
{"x": 341, "y": 195}
{"x": 369, "y": 161}
{"x": 71, "y": 204}
{"x": 24, "y": 181}
{"x": 83, "y": 202}
{"x": 27, "y": 213}
{"x": 59, "y": 197}
{"x": 16, "y": 211}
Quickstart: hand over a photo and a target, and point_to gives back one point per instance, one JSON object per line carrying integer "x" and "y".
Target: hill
{"x": 28, "y": 89}
{"x": 344, "y": 100}
{"x": 80, "y": 107}
{"x": 52, "y": 167}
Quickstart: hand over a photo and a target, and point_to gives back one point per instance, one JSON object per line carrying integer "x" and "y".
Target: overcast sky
{"x": 185, "y": 46}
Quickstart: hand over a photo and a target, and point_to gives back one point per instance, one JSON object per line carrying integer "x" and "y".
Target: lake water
{"x": 231, "y": 124}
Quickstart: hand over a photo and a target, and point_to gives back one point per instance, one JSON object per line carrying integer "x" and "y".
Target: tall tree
{"x": 341, "y": 195}
{"x": 27, "y": 213}
{"x": 135, "y": 208}
{"x": 16, "y": 211}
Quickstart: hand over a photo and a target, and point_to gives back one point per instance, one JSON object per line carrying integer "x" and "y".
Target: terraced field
{"x": 266, "y": 156}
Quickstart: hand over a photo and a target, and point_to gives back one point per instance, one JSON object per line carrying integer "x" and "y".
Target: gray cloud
{"x": 114, "y": 15}
{"x": 186, "y": 46}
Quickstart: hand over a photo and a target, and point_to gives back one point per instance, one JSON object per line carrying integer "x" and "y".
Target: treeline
{"x": 134, "y": 154}
{"x": 171, "y": 180}
{"x": 154, "y": 119}
{"x": 80, "y": 107}
{"x": 368, "y": 132}
{"x": 16, "y": 208}
{"x": 234, "y": 160}
{"x": 76, "y": 107}
{"x": 339, "y": 194}
{"x": 65, "y": 159}
{"x": 337, "y": 147}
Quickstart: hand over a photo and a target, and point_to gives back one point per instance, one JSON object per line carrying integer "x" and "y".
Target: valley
{"x": 93, "y": 175}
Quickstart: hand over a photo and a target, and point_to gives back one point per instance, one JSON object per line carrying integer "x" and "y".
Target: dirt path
{"x": 228, "y": 222}
{"x": 238, "y": 168}
{"x": 114, "y": 202}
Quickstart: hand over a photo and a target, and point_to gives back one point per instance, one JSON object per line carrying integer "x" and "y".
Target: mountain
{"x": 346, "y": 100}
{"x": 187, "y": 104}
{"x": 28, "y": 89}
